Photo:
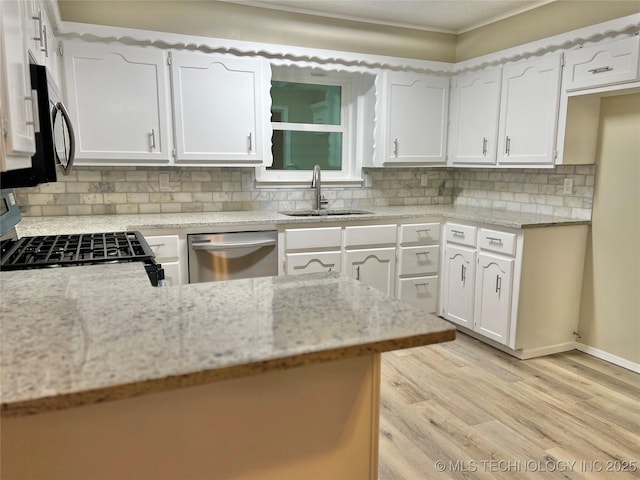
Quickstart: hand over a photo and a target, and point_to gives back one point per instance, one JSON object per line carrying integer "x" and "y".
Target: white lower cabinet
{"x": 421, "y": 292}
{"x": 375, "y": 267}
{"x": 418, "y": 265}
{"x": 458, "y": 292}
{"x": 167, "y": 248}
{"x": 312, "y": 250}
{"x": 313, "y": 262}
{"x": 493, "y": 297}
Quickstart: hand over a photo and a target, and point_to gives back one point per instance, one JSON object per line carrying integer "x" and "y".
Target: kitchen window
{"x": 313, "y": 117}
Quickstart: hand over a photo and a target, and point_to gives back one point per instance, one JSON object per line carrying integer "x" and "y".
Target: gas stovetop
{"x": 77, "y": 249}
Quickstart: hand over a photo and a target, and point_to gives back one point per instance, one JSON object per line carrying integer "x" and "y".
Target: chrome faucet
{"x": 316, "y": 183}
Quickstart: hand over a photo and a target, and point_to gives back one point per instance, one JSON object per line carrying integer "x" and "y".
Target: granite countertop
{"x": 32, "y": 226}
{"x": 79, "y": 335}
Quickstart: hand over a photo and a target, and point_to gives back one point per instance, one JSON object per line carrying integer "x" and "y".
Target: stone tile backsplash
{"x": 528, "y": 190}
{"x": 121, "y": 190}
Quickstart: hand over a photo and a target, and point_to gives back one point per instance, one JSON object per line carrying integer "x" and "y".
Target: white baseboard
{"x": 550, "y": 350}
{"x": 609, "y": 357}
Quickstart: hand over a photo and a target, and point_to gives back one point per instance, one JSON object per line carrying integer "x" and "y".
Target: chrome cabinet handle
{"x": 40, "y": 29}
{"x": 395, "y": 148}
{"x": 153, "y": 138}
{"x": 600, "y": 70}
{"x": 494, "y": 239}
{"x": 498, "y": 284}
{"x": 34, "y": 111}
{"x": 484, "y": 146}
{"x": 425, "y": 284}
{"x": 426, "y": 254}
{"x": 250, "y": 142}
{"x": 458, "y": 232}
{"x": 45, "y": 49}
{"x": 463, "y": 272}
{"x": 508, "y": 146}
{"x": 423, "y": 230}
{"x": 358, "y": 272}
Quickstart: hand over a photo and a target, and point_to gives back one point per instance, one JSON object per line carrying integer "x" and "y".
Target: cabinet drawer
{"x": 309, "y": 238}
{"x": 462, "y": 234}
{"x": 420, "y": 292}
{"x": 422, "y": 233}
{"x": 607, "y": 64}
{"x": 164, "y": 246}
{"x": 419, "y": 260}
{"x": 501, "y": 242}
{"x": 370, "y": 235}
{"x": 313, "y": 262}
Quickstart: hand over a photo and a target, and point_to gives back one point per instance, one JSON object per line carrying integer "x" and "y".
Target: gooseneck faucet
{"x": 316, "y": 183}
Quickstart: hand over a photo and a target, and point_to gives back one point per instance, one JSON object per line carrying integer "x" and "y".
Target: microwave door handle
{"x": 66, "y": 167}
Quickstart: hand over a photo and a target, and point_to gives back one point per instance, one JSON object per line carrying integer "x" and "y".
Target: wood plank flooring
{"x": 466, "y": 410}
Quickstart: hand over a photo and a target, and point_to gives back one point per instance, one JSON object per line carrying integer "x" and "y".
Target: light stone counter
{"x": 81, "y": 335}
{"x": 32, "y": 226}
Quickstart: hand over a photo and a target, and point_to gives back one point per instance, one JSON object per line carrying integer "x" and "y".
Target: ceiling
{"x": 449, "y": 16}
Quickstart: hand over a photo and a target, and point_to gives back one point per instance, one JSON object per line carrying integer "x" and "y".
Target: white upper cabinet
{"x": 603, "y": 64}
{"x": 475, "y": 108}
{"x": 17, "y": 102}
{"x": 529, "y": 112}
{"x": 415, "y": 125}
{"x": 219, "y": 108}
{"x": 118, "y": 98}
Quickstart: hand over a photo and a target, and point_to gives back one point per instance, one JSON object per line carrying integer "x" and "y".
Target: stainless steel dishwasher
{"x": 231, "y": 256}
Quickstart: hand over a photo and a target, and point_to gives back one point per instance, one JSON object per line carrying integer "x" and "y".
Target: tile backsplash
{"x": 121, "y": 190}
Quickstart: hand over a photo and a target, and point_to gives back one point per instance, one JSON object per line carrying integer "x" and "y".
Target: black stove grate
{"x": 77, "y": 249}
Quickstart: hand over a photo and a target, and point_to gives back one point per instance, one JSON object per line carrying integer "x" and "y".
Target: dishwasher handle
{"x": 207, "y": 245}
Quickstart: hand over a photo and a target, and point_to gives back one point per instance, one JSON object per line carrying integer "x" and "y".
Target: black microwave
{"x": 55, "y": 142}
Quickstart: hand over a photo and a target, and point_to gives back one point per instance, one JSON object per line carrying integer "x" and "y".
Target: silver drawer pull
{"x": 600, "y": 70}
{"x": 494, "y": 240}
{"x": 425, "y": 284}
{"x": 458, "y": 232}
{"x": 423, "y": 253}
{"x": 498, "y": 284}
{"x": 423, "y": 230}
{"x": 395, "y": 148}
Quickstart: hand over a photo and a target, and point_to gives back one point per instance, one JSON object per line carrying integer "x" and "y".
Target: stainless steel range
{"x": 80, "y": 249}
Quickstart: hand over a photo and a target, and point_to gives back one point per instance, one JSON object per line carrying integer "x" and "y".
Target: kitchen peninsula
{"x": 104, "y": 376}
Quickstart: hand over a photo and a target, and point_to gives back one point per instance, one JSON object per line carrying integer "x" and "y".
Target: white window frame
{"x": 351, "y": 167}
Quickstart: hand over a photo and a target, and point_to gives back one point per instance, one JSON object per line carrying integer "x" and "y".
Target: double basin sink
{"x": 324, "y": 213}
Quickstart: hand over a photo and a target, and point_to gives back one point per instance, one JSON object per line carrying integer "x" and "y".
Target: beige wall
{"x": 240, "y": 22}
{"x": 610, "y": 310}
{"x": 551, "y": 19}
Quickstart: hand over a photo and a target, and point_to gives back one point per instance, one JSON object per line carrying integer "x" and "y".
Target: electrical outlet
{"x": 568, "y": 186}
{"x": 163, "y": 181}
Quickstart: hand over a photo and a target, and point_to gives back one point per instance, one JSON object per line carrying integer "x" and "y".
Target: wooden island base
{"x": 312, "y": 422}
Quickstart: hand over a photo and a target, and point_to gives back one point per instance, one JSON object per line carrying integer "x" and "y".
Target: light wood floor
{"x": 493, "y": 416}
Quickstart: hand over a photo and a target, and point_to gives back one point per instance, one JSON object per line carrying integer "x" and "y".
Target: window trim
{"x": 351, "y": 166}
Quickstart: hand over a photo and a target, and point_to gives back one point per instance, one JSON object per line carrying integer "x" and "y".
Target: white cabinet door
{"x": 117, "y": 97}
{"x": 493, "y": 297}
{"x": 474, "y": 118}
{"x": 375, "y": 267}
{"x": 459, "y": 285}
{"x": 218, "y": 108}
{"x": 18, "y": 105}
{"x": 416, "y": 112}
{"x": 606, "y": 64}
{"x": 312, "y": 262}
{"x": 529, "y": 112}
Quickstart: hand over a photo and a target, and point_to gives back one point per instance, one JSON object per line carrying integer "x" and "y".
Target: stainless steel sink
{"x": 323, "y": 213}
